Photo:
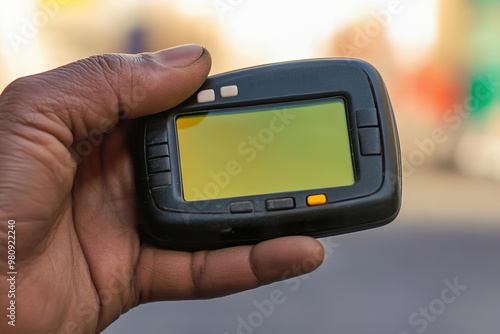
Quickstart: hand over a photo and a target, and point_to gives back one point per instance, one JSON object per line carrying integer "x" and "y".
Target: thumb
{"x": 43, "y": 115}
{"x": 96, "y": 92}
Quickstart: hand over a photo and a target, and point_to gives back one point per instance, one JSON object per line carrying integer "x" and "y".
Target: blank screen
{"x": 265, "y": 150}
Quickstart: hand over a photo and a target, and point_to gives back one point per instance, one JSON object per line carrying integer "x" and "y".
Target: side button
{"x": 156, "y": 151}
{"x": 156, "y": 132}
{"x": 241, "y": 207}
{"x": 160, "y": 180}
{"x": 366, "y": 117}
{"x": 369, "y": 139}
{"x": 280, "y": 204}
{"x": 158, "y": 165}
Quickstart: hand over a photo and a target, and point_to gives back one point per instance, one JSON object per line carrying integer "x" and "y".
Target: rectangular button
{"x": 280, "y": 204}
{"x": 241, "y": 207}
{"x": 207, "y": 95}
{"x": 369, "y": 140}
{"x": 316, "y": 199}
{"x": 229, "y": 91}
{"x": 156, "y": 133}
{"x": 156, "y": 151}
{"x": 366, "y": 117}
{"x": 160, "y": 180}
{"x": 158, "y": 165}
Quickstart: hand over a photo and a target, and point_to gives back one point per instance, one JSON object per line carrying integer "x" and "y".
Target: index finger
{"x": 173, "y": 275}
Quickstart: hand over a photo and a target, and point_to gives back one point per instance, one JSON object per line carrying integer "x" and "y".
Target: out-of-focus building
{"x": 447, "y": 100}
{"x": 469, "y": 39}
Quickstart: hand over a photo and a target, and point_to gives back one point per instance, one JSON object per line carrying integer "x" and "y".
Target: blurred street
{"x": 435, "y": 198}
{"x": 388, "y": 280}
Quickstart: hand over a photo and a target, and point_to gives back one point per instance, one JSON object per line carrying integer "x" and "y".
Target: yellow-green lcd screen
{"x": 265, "y": 150}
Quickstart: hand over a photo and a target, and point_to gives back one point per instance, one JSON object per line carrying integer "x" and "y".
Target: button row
{"x": 369, "y": 134}
{"x": 276, "y": 204}
{"x": 208, "y": 95}
{"x": 159, "y": 169}
{"x": 157, "y": 155}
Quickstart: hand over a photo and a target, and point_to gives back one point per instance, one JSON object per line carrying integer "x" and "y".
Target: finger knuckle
{"x": 111, "y": 66}
{"x": 198, "y": 273}
{"x": 21, "y": 89}
{"x": 115, "y": 72}
{"x": 20, "y": 99}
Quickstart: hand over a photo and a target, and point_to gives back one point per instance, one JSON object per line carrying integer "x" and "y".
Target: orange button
{"x": 316, "y": 199}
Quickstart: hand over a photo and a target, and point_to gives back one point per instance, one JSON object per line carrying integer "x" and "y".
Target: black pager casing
{"x": 373, "y": 200}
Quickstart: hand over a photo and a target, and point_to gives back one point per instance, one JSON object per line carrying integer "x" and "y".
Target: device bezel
{"x": 209, "y": 223}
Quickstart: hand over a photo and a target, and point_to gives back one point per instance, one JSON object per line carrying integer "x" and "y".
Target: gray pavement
{"x": 388, "y": 280}
{"x": 435, "y": 269}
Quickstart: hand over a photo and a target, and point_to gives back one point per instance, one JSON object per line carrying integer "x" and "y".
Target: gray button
{"x": 241, "y": 207}
{"x": 156, "y": 132}
{"x": 160, "y": 180}
{"x": 369, "y": 140}
{"x": 156, "y": 151}
{"x": 158, "y": 165}
{"x": 366, "y": 117}
{"x": 280, "y": 204}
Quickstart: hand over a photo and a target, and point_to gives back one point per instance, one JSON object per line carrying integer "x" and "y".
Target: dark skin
{"x": 66, "y": 178}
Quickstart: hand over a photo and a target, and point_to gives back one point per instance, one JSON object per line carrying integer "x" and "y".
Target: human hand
{"x": 66, "y": 178}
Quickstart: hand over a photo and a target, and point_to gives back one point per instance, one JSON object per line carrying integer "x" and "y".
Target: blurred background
{"x": 441, "y": 62}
